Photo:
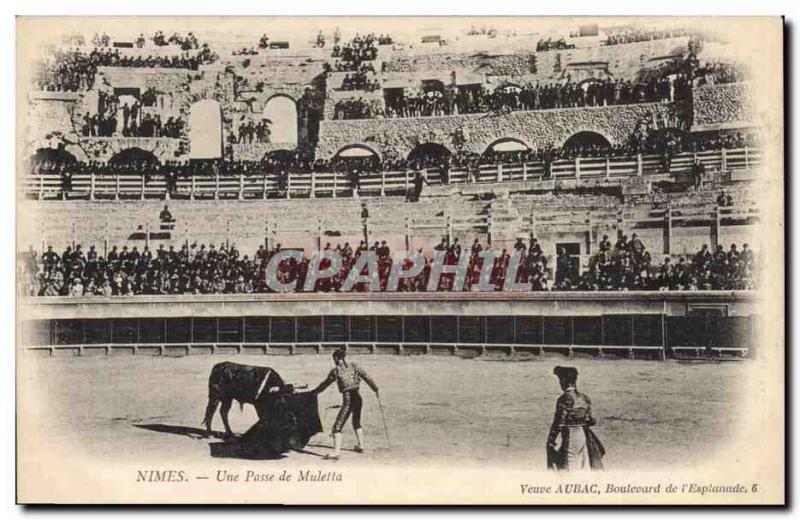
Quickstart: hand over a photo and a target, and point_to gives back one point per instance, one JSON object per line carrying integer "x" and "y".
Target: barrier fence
{"x": 337, "y": 184}
{"x": 645, "y": 335}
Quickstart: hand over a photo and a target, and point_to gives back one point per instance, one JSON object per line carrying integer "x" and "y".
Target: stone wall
{"x": 499, "y": 65}
{"x": 167, "y": 80}
{"x": 104, "y": 148}
{"x": 48, "y": 116}
{"x": 716, "y": 106}
{"x": 672, "y": 303}
{"x": 373, "y": 99}
{"x": 534, "y": 128}
{"x": 618, "y": 61}
{"x": 257, "y": 151}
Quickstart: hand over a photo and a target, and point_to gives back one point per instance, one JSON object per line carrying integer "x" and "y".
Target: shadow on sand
{"x": 229, "y": 448}
{"x": 187, "y": 431}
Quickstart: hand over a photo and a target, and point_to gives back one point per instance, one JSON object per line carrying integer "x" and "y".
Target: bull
{"x": 246, "y": 384}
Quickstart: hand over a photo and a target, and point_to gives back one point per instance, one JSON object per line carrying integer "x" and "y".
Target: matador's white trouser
{"x": 577, "y": 454}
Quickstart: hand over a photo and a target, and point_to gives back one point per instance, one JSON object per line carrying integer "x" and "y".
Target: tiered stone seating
{"x": 312, "y": 223}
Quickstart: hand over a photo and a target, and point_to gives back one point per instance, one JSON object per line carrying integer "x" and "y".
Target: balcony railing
{"x": 336, "y": 184}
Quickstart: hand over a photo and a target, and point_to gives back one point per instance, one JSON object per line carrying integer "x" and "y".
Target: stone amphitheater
{"x": 585, "y": 199}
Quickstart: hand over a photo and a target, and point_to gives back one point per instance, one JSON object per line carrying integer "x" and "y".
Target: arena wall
{"x": 671, "y": 303}
{"x": 616, "y": 61}
{"x": 537, "y": 129}
{"x": 49, "y": 113}
{"x": 723, "y": 106}
{"x": 660, "y": 325}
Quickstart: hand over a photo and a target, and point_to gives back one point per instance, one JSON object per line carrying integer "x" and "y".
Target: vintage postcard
{"x": 401, "y": 260}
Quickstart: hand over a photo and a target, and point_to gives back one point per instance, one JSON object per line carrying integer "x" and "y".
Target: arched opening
{"x": 131, "y": 156}
{"x": 282, "y": 157}
{"x": 128, "y": 115}
{"x": 432, "y": 85}
{"x": 506, "y": 150}
{"x": 428, "y": 155}
{"x": 53, "y": 156}
{"x": 280, "y": 115}
{"x": 585, "y": 143}
{"x": 358, "y": 158}
{"x": 205, "y": 134}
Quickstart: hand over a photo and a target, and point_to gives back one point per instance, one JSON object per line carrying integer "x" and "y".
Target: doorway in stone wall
{"x": 568, "y": 256}
{"x": 205, "y": 130}
{"x": 280, "y": 113}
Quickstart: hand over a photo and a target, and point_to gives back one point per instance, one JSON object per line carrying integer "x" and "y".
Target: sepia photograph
{"x": 400, "y": 260}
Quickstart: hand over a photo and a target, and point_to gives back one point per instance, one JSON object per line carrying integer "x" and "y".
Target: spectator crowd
{"x": 645, "y": 35}
{"x": 359, "y": 49}
{"x": 550, "y": 44}
{"x": 627, "y": 265}
{"x": 127, "y": 118}
{"x": 194, "y": 269}
{"x": 251, "y": 132}
{"x": 570, "y": 94}
{"x": 360, "y": 80}
{"x": 74, "y": 70}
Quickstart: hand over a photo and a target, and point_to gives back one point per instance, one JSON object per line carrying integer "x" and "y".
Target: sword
{"x": 385, "y": 427}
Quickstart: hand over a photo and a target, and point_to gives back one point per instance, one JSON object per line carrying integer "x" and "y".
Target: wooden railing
{"x": 336, "y": 184}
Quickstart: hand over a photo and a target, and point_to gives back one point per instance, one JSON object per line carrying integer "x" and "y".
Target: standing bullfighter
{"x": 580, "y": 449}
{"x": 347, "y": 376}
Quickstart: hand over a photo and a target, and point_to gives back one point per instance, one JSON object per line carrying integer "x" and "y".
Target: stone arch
{"x": 351, "y": 150}
{"x": 132, "y": 155}
{"x": 426, "y": 152}
{"x": 507, "y": 144}
{"x": 53, "y": 155}
{"x": 205, "y": 130}
{"x": 432, "y": 85}
{"x": 280, "y": 156}
{"x": 586, "y": 138}
{"x": 281, "y": 111}
{"x": 356, "y": 157}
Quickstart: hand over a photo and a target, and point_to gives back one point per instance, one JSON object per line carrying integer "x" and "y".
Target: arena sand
{"x": 489, "y": 410}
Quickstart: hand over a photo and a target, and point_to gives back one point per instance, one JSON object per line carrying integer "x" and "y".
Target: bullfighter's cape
{"x": 290, "y": 420}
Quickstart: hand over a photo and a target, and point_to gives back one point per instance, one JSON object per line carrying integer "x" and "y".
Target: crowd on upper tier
{"x": 673, "y": 82}
{"x": 717, "y": 73}
{"x": 127, "y": 118}
{"x": 194, "y": 269}
{"x": 360, "y": 48}
{"x": 596, "y": 93}
{"x": 550, "y": 44}
{"x": 644, "y": 35}
{"x": 159, "y": 39}
{"x": 360, "y": 81}
{"x": 74, "y": 70}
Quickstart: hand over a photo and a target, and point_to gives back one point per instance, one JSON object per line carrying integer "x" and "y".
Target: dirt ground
{"x": 437, "y": 408}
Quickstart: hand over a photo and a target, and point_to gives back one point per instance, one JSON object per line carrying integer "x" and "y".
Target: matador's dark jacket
{"x": 572, "y": 409}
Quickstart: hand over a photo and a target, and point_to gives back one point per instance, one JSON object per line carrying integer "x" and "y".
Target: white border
{"x": 320, "y": 8}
